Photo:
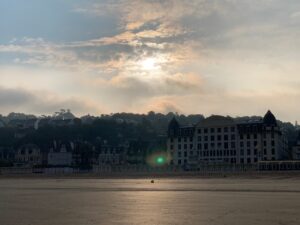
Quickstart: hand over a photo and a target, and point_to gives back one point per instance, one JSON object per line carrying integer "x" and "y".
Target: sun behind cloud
{"x": 149, "y": 64}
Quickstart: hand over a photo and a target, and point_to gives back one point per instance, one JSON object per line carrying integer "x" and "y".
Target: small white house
{"x": 61, "y": 158}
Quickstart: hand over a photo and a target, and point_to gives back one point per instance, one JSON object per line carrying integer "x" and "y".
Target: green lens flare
{"x": 160, "y": 160}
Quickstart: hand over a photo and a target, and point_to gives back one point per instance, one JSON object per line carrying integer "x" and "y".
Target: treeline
{"x": 114, "y": 128}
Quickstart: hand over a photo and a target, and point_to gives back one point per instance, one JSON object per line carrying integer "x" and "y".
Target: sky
{"x": 228, "y": 57}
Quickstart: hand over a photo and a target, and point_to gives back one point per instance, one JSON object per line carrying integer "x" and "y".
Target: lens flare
{"x": 158, "y": 159}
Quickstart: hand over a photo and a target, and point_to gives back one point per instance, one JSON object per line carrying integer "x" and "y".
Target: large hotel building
{"x": 219, "y": 139}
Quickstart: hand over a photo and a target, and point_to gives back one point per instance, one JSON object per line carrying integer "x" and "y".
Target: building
{"x": 60, "y": 156}
{"x": 112, "y": 154}
{"x": 7, "y": 156}
{"x": 296, "y": 149}
{"x": 2, "y": 123}
{"x": 29, "y": 154}
{"x": 219, "y": 139}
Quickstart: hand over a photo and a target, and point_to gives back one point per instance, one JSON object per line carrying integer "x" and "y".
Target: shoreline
{"x": 179, "y": 175}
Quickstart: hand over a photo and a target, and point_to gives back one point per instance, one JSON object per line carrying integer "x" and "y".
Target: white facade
{"x": 62, "y": 158}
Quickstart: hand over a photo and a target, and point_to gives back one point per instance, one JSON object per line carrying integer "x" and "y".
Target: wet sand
{"x": 273, "y": 200}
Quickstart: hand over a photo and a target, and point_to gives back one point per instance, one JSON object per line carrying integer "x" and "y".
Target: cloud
{"x": 41, "y": 102}
{"x": 206, "y": 55}
{"x": 163, "y": 105}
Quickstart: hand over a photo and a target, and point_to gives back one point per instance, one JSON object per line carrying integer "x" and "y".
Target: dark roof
{"x": 173, "y": 124}
{"x": 173, "y": 127}
{"x": 269, "y": 119}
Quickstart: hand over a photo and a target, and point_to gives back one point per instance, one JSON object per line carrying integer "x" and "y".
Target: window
{"x": 232, "y": 129}
{"x": 185, "y": 139}
{"x": 199, "y": 146}
{"x": 255, "y": 136}
{"x": 191, "y": 138}
{"x": 225, "y": 137}
{"x": 212, "y": 145}
{"x": 248, "y": 152}
{"x": 265, "y": 143}
{"x": 226, "y": 145}
{"x": 212, "y": 138}
{"x": 199, "y": 138}
{"x": 205, "y": 130}
{"x": 172, "y": 140}
{"x": 225, "y": 129}
{"x": 185, "y": 146}
{"x": 242, "y": 151}
{"x": 212, "y": 130}
{"x": 248, "y": 144}
{"x": 171, "y": 147}
{"x": 179, "y": 154}
{"x": 248, "y": 160}
{"x": 179, "y": 139}
{"x": 232, "y": 144}
{"x": 273, "y": 151}
{"x": 219, "y": 130}
{"x": 241, "y": 137}
{"x": 265, "y": 151}
{"x": 248, "y": 136}
{"x": 232, "y": 137}
{"x": 273, "y": 143}
{"x": 185, "y": 154}
{"x": 219, "y": 137}
{"x": 255, "y": 143}
{"x": 205, "y": 146}
{"x": 205, "y": 138}
{"x": 241, "y": 144}
{"x": 199, "y": 131}
{"x": 179, "y": 161}
{"x": 242, "y": 161}
{"x": 179, "y": 146}
{"x": 191, "y": 146}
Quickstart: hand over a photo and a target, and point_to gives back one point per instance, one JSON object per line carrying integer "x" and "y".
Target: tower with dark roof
{"x": 269, "y": 119}
{"x": 173, "y": 128}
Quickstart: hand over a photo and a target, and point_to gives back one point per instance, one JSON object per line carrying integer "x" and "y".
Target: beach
{"x": 69, "y": 201}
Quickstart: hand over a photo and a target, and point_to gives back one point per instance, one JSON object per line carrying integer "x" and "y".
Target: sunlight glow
{"x": 149, "y": 64}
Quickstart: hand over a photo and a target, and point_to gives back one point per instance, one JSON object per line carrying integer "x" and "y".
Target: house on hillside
{"x": 60, "y": 153}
